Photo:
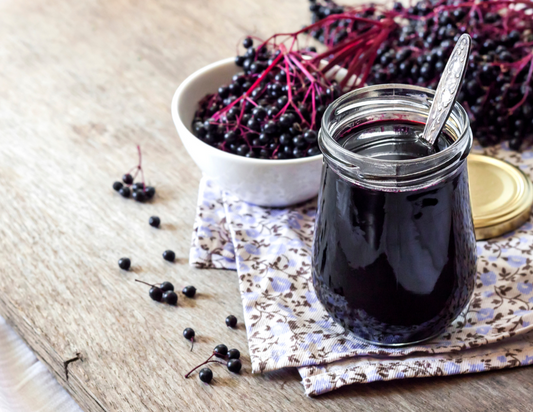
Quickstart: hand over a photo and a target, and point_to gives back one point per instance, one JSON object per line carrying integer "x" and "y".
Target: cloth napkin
{"x": 288, "y": 327}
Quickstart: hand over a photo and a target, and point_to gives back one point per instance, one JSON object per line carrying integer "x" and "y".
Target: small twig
{"x": 201, "y": 364}
{"x": 146, "y": 283}
{"x": 66, "y": 363}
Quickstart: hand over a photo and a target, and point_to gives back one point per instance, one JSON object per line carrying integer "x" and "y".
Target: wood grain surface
{"x": 82, "y": 83}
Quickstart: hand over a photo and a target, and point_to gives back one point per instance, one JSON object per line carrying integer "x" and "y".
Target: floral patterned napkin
{"x": 288, "y": 327}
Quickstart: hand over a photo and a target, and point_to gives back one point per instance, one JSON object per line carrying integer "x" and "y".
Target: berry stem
{"x": 138, "y": 168}
{"x": 146, "y": 283}
{"x": 217, "y": 361}
{"x": 530, "y": 72}
{"x": 201, "y": 364}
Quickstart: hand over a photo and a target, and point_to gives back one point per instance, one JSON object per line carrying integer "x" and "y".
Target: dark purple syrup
{"x": 394, "y": 267}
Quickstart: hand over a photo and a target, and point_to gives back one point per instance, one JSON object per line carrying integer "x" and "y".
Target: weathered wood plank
{"x": 83, "y": 83}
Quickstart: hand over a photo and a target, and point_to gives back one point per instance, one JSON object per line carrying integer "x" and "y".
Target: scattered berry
{"x": 170, "y": 297}
{"x": 166, "y": 286}
{"x": 231, "y": 321}
{"x": 117, "y": 186}
{"x": 124, "y": 263}
{"x": 169, "y": 255}
{"x": 234, "y": 354}
{"x": 189, "y": 291}
{"x": 234, "y": 365}
{"x": 127, "y": 178}
{"x": 156, "y": 293}
{"x": 220, "y": 351}
{"x": 188, "y": 334}
{"x": 125, "y": 191}
{"x": 206, "y": 375}
{"x": 154, "y": 221}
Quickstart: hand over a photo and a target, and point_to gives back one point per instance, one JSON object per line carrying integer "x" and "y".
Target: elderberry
{"x": 234, "y": 365}
{"x": 166, "y": 286}
{"x": 170, "y": 297}
{"x": 189, "y": 291}
{"x": 137, "y": 186}
{"x": 310, "y": 136}
{"x": 149, "y": 192}
{"x": 139, "y": 196}
{"x": 127, "y": 178}
{"x": 125, "y": 191}
{"x": 124, "y": 263}
{"x": 117, "y": 186}
{"x": 206, "y": 375}
{"x": 154, "y": 221}
{"x": 156, "y": 294}
{"x": 234, "y": 354}
{"x": 247, "y": 42}
{"x": 220, "y": 351}
{"x": 188, "y": 333}
{"x": 169, "y": 255}
{"x": 231, "y": 321}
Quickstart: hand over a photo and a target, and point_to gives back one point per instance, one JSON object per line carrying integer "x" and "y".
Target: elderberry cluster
{"x": 164, "y": 292}
{"x": 337, "y": 30}
{"x": 266, "y": 111}
{"x": 232, "y": 358}
{"x": 137, "y": 190}
{"x": 497, "y": 92}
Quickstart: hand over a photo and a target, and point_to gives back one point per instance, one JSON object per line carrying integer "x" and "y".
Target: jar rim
{"x": 350, "y": 95}
{"x": 388, "y": 102}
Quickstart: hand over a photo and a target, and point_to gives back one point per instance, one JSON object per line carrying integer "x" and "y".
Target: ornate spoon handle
{"x": 448, "y": 88}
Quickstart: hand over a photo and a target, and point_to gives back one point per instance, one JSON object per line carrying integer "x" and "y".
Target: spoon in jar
{"x": 447, "y": 89}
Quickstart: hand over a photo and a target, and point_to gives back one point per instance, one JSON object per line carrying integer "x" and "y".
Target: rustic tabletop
{"x": 82, "y": 83}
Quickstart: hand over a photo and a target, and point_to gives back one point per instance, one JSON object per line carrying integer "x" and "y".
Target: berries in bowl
{"x": 250, "y": 123}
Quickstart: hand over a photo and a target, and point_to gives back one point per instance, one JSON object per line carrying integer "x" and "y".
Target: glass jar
{"x": 394, "y": 255}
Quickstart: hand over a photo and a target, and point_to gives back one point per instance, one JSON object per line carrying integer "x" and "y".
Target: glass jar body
{"x": 394, "y": 253}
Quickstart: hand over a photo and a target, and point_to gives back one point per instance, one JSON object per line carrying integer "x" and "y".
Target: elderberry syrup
{"x": 394, "y": 253}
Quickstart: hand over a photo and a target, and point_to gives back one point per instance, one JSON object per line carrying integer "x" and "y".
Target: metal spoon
{"x": 447, "y": 89}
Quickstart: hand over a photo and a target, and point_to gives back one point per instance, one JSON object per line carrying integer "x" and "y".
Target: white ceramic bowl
{"x": 258, "y": 181}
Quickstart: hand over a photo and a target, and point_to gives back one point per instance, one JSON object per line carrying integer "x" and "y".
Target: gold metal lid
{"x": 501, "y": 196}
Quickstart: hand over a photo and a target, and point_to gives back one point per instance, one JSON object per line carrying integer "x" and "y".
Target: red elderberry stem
{"x": 325, "y": 21}
{"x": 140, "y": 165}
{"x": 216, "y": 361}
{"x": 530, "y": 72}
{"x": 201, "y": 364}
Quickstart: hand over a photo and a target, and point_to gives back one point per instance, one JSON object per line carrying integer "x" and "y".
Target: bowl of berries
{"x": 250, "y": 123}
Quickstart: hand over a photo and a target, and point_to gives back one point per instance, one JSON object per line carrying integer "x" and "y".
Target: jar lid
{"x": 501, "y": 196}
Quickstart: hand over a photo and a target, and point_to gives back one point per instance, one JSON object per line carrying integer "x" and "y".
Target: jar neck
{"x": 390, "y": 103}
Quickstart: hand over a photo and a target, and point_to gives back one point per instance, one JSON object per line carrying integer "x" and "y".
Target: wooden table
{"x": 82, "y": 83}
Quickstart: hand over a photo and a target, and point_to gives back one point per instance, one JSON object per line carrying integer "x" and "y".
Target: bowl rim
{"x": 230, "y": 156}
